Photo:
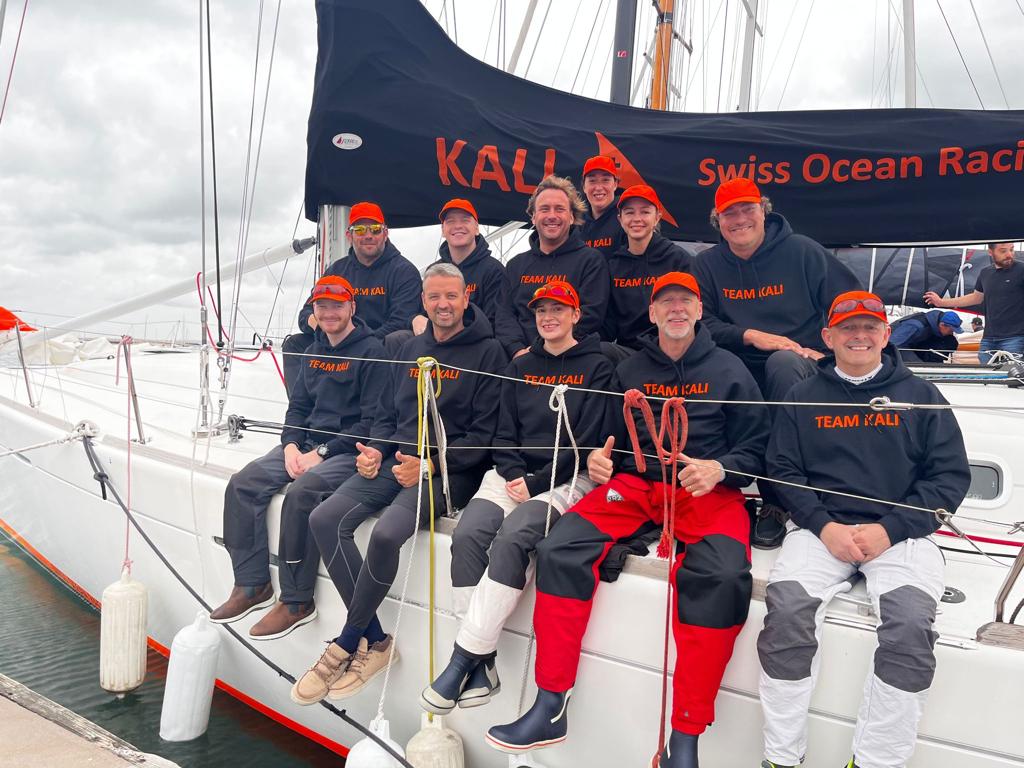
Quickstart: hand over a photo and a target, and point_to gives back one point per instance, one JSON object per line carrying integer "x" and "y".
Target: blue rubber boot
{"x": 441, "y": 695}
{"x": 680, "y": 752}
{"x": 482, "y": 685}
{"x": 544, "y": 724}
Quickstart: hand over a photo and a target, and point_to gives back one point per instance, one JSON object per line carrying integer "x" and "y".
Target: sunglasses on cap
{"x": 547, "y": 291}
{"x": 871, "y": 305}
{"x": 366, "y": 229}
{"x": 330, "y": 291}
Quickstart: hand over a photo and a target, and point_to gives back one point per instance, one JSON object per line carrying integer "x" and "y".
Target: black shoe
{"x": 441, "y": 695}
{"x": 680, "y": 752}
{"x": 544, "y": 724}
{"x": 481, "y": 686}
{"x": 769, "y": 527}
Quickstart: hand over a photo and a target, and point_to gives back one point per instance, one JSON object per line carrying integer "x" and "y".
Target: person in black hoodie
{"x": 914, "y": 457}
{"x": 600, "y": 229}
{"x": 766, "y": 292}
{"x": 389, "y": 474}
{"x": 636, "y": 264}
{"x": 524, "y": 494}
{"x": 334, "y": 394}
{"x": 711, "y": 570}
{"x": 556, "y": 253}
{"x": 386, "y": 284}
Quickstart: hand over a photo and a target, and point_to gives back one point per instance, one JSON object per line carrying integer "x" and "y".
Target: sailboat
{"x": 178, "y": 447}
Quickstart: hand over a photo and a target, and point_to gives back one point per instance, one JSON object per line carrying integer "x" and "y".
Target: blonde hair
{"x": 576, "y": 204}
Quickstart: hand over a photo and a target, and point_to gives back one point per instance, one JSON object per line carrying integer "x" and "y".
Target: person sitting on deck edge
{"x": 886, "y": 459}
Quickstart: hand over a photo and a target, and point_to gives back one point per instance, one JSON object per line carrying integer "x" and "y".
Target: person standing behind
{"x": 556, "y": 253}
{"x": 331, "y": 395}
{"x": 637, "y": 264}
{"x": 386, "y": 284}
{"x": 1001, "y": 287}
{"x": 600, "y": 229}
{"x": 913, "y": 457}
{"x": 509, "y": 513}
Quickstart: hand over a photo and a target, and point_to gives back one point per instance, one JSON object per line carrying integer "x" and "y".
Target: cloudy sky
{"x": 100, "y": 150}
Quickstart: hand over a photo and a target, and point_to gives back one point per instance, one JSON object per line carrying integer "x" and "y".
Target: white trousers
{"x": 905, "y": 584}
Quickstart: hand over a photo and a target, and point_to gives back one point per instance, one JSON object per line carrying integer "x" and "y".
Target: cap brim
{"x": 837, "y": 319}
{"x": 329, "y": 297}
{"x": 743, "y": 199}
{"x": 560, "y": 299}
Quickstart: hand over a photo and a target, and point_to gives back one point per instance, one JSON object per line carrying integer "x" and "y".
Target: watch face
{"x": 321, "y": 451}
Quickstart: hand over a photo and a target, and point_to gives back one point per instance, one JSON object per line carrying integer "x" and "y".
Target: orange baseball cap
{"x": 738, "y": 190}
{"x": 332, "y": 288}
{"x": 853, "y": 303}
{"x": 369, "y": 211}
{"x": 644, "y": 192}
{"x": 681, "y": 279}
{"x": 600, "y": 163}
{"x": 557, "y": 290}
{"x": 458, "y": 204}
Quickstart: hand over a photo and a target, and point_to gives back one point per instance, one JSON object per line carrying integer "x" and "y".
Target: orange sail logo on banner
{"x": 628, "y": 174}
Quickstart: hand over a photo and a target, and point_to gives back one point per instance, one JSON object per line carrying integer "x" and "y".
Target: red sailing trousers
{"x": 711, "y": 573}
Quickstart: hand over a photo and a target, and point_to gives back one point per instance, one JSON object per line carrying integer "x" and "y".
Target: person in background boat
{"x": 386, "y": 284}
{"x": 464, "y": 247}
{"x": 600, "y": 229}
{"x": 1001, "y": 287}
{"x": 557, "y": 252}
{"x": 330, "y": 395}
{"x": 635, "y": 265}
{"x": 977, "y": 324}
{"x": 390, "y": 473}
{"x": 711, "y": 569}
{"x": 927, "y": 337}
{"x": 766, "y": 294}
{"x": 511, "y": 511}
{"x": 913, "y": 457}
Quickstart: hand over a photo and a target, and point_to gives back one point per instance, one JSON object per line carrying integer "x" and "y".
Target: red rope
{"x": 985, "y": 539}
{"x": 126, "y": 343}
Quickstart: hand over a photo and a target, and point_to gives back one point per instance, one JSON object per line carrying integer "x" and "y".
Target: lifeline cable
{"x": 103, "y": 479}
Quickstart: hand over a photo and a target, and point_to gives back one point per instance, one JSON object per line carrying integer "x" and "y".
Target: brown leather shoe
{"x": 282, "y": 619}
{"x": 317, "y": 680}
{"x": 366, "y": 664}
{"x": 241, "y": 602}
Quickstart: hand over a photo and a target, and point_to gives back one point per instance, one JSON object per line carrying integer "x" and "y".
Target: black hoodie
{"x": 785, "y": 288}
{"x": 526, "y": 419}
{"x": 734, "y": 435}
{"x": 468, "y": 402}
{"x": 387, "y": 291}
{"x": 336, "y": 395}
{"x": 484, "y": 274}
{"x": 632, "y": 279}
{"x": 573, "y": 261}
{"x": 911, "y": 457}
{"x": 604, "y": 233}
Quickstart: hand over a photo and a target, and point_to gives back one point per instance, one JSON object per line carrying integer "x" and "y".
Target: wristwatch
{"x": 323, "y": 451}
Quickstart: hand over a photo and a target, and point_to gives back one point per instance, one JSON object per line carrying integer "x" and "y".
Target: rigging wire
{"x": 778, "y": 53}
{"x": 796, "y": 55}
{"x": 536, "y": 42}
{"x": 700, "y": 59}
{"x": 213, "y": 168}
{"x": 14, "y": 58}
{"x": 593, "y": 53}
{"x": 586, "y": 47}
{"x": 874, "y": 56}
{"x": 490, "y": 29}
{"x": 280, "y": 280}
{"x": 989, "y": 52}
{"x": 721, "y": 61}
{"x": 565, "y": 45}
{"x": 960, "y": 53}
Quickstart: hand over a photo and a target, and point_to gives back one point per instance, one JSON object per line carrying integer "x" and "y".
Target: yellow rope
{"x": 428, "y": 367}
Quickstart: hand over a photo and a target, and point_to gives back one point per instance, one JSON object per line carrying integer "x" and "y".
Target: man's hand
{"x": 769, "y": 342}
{"x": 812, "y": 354}
{"x": 599, "y": 463}
{"x": 407, "y": 470}
{"x": 368, "y": 461}
{"x": 932, "y": 298}
{"x": 839, "y": 540}
{"x": 291, "y": 461}
{"x": 872, "y": 539}
{"x": 419, "y": 324}
{"x": 311, "y": 322}
{"x": 309, "y": 459}
{"x": 699, "y": 476}
{"x": 517, "y": 490}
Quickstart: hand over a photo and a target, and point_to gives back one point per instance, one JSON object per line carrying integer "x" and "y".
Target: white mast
{"x": 747, "y": 65}
{"x": 909, "y": 56}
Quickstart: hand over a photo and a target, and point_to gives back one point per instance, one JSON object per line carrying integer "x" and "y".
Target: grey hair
{"x": 443, "y": 269}
{"x": 766, "y": 206}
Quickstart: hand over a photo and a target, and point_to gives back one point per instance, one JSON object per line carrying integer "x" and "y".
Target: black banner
{"x": 403, "y": 117}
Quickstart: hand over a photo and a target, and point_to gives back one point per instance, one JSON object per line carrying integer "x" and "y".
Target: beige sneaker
{"x": 315, "y": 683}
{"x": 366, "y": 664}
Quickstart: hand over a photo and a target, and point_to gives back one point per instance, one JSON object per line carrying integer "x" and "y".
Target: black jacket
{"x": 913, "y": 457}
{"x": 485, "y": 276}
{"x": 526, "y": 419}
{"x": 785, "y": 288}
{"x": 468, "y": 402}
{"x": 387, "y": 291}
{"x": 336, "y": 395}
{"x": 583, "y": 267}
{"x": 604, "y": 233}
{"x": 632, "y": 280}
{"x": 734, "y": 435}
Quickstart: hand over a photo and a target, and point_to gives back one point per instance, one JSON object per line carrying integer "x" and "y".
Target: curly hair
{"x": 576, "y": 204}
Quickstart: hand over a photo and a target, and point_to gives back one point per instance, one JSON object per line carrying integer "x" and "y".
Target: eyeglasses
{"x": 871, "y": 305}
{"x": 335, "y": 292}
{"x": 563, "y": 291}
{"x": 366, "y": 229}
{"x": 739, "y": 209}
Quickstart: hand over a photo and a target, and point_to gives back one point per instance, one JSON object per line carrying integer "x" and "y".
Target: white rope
{"x": 82, "y": 429}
